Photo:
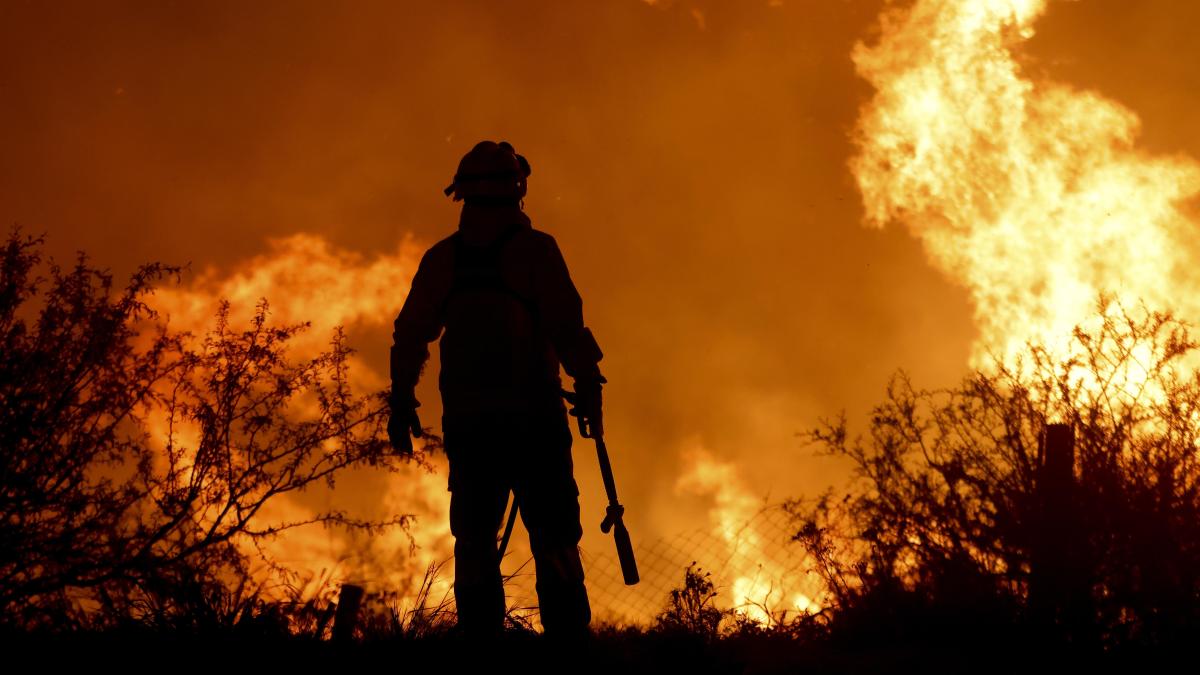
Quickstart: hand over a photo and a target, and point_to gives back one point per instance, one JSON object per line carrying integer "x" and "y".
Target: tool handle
{"x": 606, "y": 472}
{"x": 625, "y": 554}
{"x": 614, "y": 517}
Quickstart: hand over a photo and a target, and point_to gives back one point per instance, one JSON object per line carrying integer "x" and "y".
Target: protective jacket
{"x": 498, "y": 293}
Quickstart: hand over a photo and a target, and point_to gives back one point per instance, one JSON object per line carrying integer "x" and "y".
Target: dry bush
{"x": 691, "y": 608}
{"x": 134, "y": 460}
{"x": 945, "y": 517}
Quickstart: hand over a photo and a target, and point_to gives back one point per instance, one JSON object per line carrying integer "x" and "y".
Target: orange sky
{"x": 690, "y": 157}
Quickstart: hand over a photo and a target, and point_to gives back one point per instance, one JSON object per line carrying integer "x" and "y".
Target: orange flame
{"x": 1031, "y": 194}
{"x": 761, "y": 585}
{"x": 303, "y": 278}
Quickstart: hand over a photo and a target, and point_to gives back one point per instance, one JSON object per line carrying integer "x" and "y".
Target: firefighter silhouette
{"x": 498, "y": 293}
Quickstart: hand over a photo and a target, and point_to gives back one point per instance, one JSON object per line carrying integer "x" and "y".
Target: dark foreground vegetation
{"x": 1056, "y": 496}
{"x": 963, "y": 544}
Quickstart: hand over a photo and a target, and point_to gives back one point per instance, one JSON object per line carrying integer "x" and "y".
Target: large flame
{"x": 1030, "y": 193}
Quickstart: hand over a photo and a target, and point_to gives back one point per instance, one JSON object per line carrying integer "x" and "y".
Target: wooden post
{"x": 1058, "y": 463}
{"x": 1058, "y": 586}
{"x": 346, "y": 618}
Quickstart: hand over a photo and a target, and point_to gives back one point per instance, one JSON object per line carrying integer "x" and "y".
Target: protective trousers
{"x": 529, "y": 454}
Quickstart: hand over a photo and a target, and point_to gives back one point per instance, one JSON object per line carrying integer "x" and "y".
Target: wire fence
{"x": 756, "y": 568}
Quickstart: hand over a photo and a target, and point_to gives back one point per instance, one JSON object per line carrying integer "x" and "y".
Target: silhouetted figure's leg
{"x": 562, "y": 597}
{"x": 478, "y": 590}
{"x": 477, "y": 501}
{"x": 549, "y": 499}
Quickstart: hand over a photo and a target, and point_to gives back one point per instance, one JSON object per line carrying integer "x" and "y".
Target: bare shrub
{"x": 691, "y": 609}
{"x": 945, "y": 513}
{"x": 134, "y": 460}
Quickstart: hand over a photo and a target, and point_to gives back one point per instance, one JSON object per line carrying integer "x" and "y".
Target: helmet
{"x": 492, "y": 172}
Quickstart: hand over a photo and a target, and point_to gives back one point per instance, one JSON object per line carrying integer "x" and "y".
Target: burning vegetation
{"x": 1030, "y": 499}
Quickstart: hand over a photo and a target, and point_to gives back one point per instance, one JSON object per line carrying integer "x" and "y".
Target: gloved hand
{"x": 403, "y": 422}
{"x": 588, "y": 407}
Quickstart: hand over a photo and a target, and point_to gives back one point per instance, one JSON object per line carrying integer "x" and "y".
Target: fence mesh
{"x": 755, "y": 566}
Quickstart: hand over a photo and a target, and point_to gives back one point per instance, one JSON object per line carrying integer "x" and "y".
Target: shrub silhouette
{"x": 134, "y": 460}
{"x": 941, "y": 531}
{"x": 690, "y": 608}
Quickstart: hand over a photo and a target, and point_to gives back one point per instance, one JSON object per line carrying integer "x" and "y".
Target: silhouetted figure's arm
{"x": 562, "y": 310}
{"x": 418, "y": 324}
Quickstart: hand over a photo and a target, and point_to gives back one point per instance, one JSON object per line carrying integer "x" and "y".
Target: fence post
{"x": 1058, "y": 585}
{"x": 346, "y": 617}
